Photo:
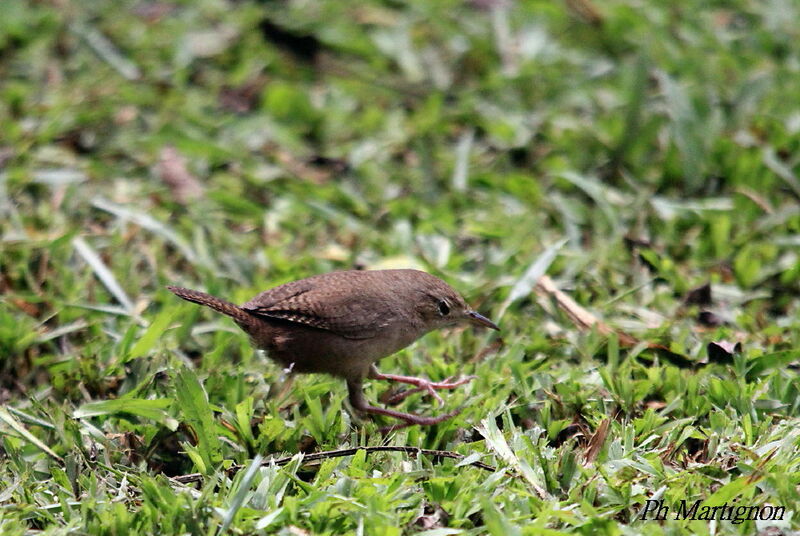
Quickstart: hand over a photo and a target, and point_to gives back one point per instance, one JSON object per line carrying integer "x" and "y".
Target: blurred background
{"x": 636, "y": 150}
{"x": 239, "y": 143}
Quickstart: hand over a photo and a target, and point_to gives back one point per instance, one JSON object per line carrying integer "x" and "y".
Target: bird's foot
{"x": 409, "y": 419}
{"x": 421, "y": 384}
{"x": 360, "y": 403}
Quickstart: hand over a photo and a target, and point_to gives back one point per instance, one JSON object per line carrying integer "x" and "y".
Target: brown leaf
{"x": 580, "y": 316}
{"x": 756, "y": 198}
{"x": 586, "y": 11}
{"x": 596, "y": 442}
{"x": 231, "y": 428}
{"x": 666, "y": 454}
{"x": 172, "y": 170}
{"x": 243, "y": 98}
{"x": 586, "y": 320}
{"x": 27, "y": 307}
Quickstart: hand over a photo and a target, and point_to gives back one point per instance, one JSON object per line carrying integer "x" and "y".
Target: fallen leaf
{"x": 172, "y": 170}
{"x": 579, "y": 315}
{"x": 586, "y": 11}
{"x": 596, "y": 442}
{"x": 587, "y": 321}
{"x": 243, "y": 98}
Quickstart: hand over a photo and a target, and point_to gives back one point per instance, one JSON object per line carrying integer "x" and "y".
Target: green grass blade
{"x": 149, "y": 409}
{"x": 241, "y": 493}
{"x": 153, "y": 333}
{"x": 17, "y": 426}
{"x": 197, "y": 413}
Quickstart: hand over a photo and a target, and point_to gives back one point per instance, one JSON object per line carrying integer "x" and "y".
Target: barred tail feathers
{"x": 218, "y": 304}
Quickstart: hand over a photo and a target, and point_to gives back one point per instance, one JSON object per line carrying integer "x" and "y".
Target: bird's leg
{"x": 359, "y": 402}
{"x": 421, "y": 384}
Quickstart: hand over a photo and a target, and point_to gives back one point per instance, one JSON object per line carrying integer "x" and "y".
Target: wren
{"x": 342, "y": 323}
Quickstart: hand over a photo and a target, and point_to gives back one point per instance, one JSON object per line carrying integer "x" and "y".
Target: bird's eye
{"x": 444, "y": 309}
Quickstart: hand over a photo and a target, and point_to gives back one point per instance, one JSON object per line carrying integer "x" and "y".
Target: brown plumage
{"x": 341, "y": 323}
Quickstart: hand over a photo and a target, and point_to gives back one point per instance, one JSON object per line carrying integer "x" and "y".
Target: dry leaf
{"x": 596, "y": 442}
{"x": 580, "y": 316}
{"x": 172, "y": 170}
{"x": 243, "y": 98}
{"x": 587, "y": 321}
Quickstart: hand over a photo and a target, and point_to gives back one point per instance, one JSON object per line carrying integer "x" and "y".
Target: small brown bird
{"x": 341, "y": 323}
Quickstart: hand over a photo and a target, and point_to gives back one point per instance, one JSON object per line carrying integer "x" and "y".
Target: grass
{"x": 634, "y": 151}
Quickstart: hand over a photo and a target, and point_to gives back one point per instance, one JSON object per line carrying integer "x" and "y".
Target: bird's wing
{"x": 345, "y": 312}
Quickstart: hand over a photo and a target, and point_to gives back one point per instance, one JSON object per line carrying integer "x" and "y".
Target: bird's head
{"x": 440, "y": 305}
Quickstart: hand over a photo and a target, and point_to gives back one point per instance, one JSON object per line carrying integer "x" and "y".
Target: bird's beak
{"x": 479, "y": 319}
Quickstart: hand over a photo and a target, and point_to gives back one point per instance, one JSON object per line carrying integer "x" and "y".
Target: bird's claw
{"x": 430, "y": 387}
{"x": 412, "y": 420}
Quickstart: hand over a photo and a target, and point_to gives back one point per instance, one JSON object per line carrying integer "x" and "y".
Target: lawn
{"x": 614, "y": 183}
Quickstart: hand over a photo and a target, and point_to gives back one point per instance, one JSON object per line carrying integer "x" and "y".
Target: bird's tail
{"x": 218, "y": 304}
